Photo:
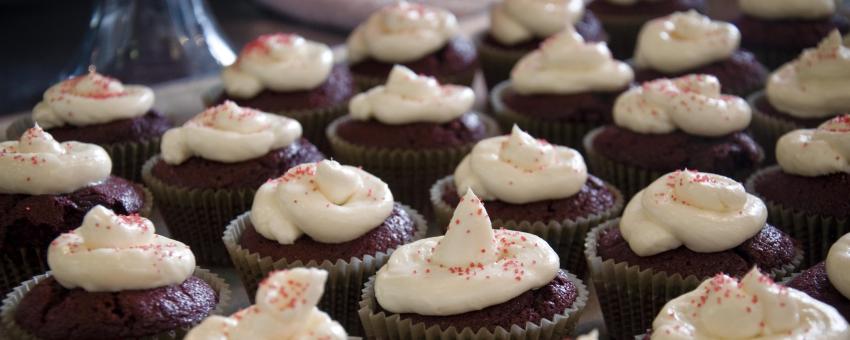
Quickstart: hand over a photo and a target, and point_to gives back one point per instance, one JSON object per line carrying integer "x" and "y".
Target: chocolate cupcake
{"x": 422, "y": 38}
{"x": 828, "y": 281}
{"x": 503, "y": 283}
{"x": 670, "y": 124}
{"x": 683, "y": 228}
{"x": 562, "y": 90}
{"x": 210, "y": 168}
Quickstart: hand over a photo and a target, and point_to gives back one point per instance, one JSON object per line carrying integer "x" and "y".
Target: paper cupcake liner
{"x": 15, "y": 332}
{"x": 567, "y": 237}
{"x": 496, "y": 63}
{"x": 381, "y": 325}
{"x": 364, "y": 83}
{"x": 631, "y": 297}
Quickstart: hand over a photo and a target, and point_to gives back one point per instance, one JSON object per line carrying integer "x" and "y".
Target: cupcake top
{"x": 683, "y": 41}
{"x": 566, "y": 64}
{"x": 520, "y": 169}
{"x": 39, "y": 165}
{"x": 229, "y": 133}
{"x": 705, "y": 212}
{"x": 410, "y": 98}
{"x": 815, "y": 85}
{"x": 515, "y": 21}
{"x": 401, "y": 32}
{"x": 278, "y": 62}
{"x": 816, "y": 152}
{"x": 329, "y": 202}
{"x": 788, "y": 9}
{"x": 837, "y": 262}
{"x": 285, "y": 309}
{"x": 110, "y": 253}
{"x": 91, "y": 99}
{"x": 481, "y": 266}
{"x": 692, "y": 103}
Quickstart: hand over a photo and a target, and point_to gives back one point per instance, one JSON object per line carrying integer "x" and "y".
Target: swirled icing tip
{"x": 469, "y": 238}
{"x": 103, "y": 228}
{"x": 688, "y": 24}
{"x": 525, "y": 152}
{"x": 92, "y": 85}
{"x": 405, "y": 82}
{"x": 36, "y": 140}
{"x": 830, "y": 48}
{"x": 706, "y": 191}
{"x": 816, "y": 152}
{"x": 837, "y": 264}
{"x": 275, "y": 43}
{"x": 338, "y": 183}
{"x": 291, "y": 294}
{"x": 840, "y": 123}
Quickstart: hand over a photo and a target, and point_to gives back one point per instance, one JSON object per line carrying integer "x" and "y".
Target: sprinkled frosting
{"x": 705, "y": 212}
{"x": 39, "y": 165}
{"x": 410, "y": 98}
{"x": 837, "y": 264}
{"x": 566, "y": 64}
{"x": 816, "y": 152}
{"x": 515, "y": 21}
{"x": 788, "y": 9}
{"x": 91, "y": 99}
{"x": 229, "y": 133}
{"x": 692, "y": 103}
{"x": 110, "y": 253}
{"x": 471, "y": 268}
{"x": 285, "y": 309}
{"x": 754, "y": 308}
{"x": 329, "y": 202}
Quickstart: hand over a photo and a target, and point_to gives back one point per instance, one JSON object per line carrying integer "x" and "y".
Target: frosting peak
{"x": 788, "y": 9}
{"x": 469, "y": 238}
{"x": 515, "y": 21}
{"x": 816, "y": 152}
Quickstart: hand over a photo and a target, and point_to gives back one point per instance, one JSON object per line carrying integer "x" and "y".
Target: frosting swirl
{"x": 515, "y": 21}
{"x": 755, "y": 308}
{"x": 39, "y": 165}
{"x": 110, "y": 253}
{"x": 410, "y": 98}
{"x": 704, "y": 212}
{"x": 788, "y": 9}
{"x": 692, "y": 103}
{"x": 816, "y": 152}
{"x": 480, "y": 266}
{"x": 91, "y": 99}
{"x": 229, "y": 133}
{"x": 837, "y": 262}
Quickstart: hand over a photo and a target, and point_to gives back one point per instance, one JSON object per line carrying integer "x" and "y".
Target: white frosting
{"x": 329, "y": 202}
{"x": 692, "y": 103}
{"x": 816, "y": 152}
{"x": 515, "y": 21}
{"x": 565, "y": 64}
{"x": 593, "y": 335}
{"x": 816, "y": 85}
{"x": 38, "y": 165}
{"x": 519, "y": 169}
{"x": 756, "y": 308}
{"x": 409, "y": 98}
{"x": 684, "y": 41}
{"x": 110, "y": 253}
{"x": 91, "y": 99}
{"x": 285, "y": 310}
{"x": 788, "y": 9}
{"x": 704, "y": 212}
{"x": 229, "y": 133}
{"x": 401, "y": 32}
{"x": 838, "y": 265}
{"x": 470, "y": 268}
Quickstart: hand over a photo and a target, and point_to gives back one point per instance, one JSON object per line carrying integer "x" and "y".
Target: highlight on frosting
{"x": 816, "y": 152}
{"x": 110, "y": 253}
{"x": 285, "y": 309}
{"x": 91, "y": 99}
{"x": 37, "y": 164}
{"x": 515, "y": 21}
{"x": 410, "y": 98}
{"x": 471, "y": 268}
{"x": 691, "y": 103}
{"x": 788, "y": 9}
{"x": 837, "y": 264}
{"x": 704, "y": 212}
{"x": 566, "y": 64}
{"x": 401, "y": 32}
{"x": 229, "y": 133}
{"x": 753, "y": 308}
{"x": 278, "y": 62}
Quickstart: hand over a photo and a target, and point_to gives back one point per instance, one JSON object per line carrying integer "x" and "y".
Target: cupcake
{"x": 807, "y": 192}
{"x": 410, "y": 132}
{"x": 518, "y": 26}
{"x": 325, "y": 215}
{"x": 96, "y": 109}
{"x": 113, "y": 278}
{"x": 422, "y": 38}
{"x": 670, "y": 124}
{"x": 688, "y": 42}
{"x": 288, "y": 75}
{"x": 828, "y": 281}
{"x": 473, "y": 283}
{"x": 562, "y": 90}
{"x": 532, "y": 186}
{"x": 46, "y": 188}
{"x": 211, "y": 166}
{"x": 682, "y": 229}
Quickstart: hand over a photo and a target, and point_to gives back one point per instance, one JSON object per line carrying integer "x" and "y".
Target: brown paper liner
{"x": 630, "y": 297}
{"x": 14, "y": 332}
{"x": 345, "y": 276}
{"x": 767, "y": 129}
{"x": 364, "y": 83}
{"x": 496, "y": 63}
{"x": 381, "y": 325}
